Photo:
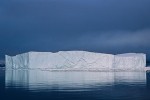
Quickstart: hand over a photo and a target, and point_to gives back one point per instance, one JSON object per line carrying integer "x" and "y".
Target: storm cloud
{"x": 109, "y": 26}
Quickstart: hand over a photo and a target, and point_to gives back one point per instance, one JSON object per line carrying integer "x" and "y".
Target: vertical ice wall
{"x": 80, "y": 60}
{"x": 8, "y": 62}
{"x": 70, "y": 59}
{"x": 18, "y": 61}
{"x": 45, "y": 60}
{"x": 132, "y": 61}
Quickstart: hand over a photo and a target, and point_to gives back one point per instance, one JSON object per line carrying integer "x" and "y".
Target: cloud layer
{"x": 110, "y": 26}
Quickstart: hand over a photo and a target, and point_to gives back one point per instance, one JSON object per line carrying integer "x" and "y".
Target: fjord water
{"x": 72, "y": 85}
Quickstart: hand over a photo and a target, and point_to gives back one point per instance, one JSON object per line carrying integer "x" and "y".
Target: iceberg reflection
{"x": 69, "y": 80}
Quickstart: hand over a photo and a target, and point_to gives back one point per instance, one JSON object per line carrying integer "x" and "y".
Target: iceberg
{"x": 76, "y": 60}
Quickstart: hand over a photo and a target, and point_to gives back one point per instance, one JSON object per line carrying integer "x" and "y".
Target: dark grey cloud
{"x": 111, "y": 26}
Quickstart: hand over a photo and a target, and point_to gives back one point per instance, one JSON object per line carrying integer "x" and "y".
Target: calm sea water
{"x": 71, "y": 85}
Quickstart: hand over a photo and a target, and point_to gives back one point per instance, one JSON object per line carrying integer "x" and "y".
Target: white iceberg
{"x": 76, "y": 60}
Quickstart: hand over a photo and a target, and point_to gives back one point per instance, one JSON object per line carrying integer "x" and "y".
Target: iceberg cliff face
{"x": 130, "y": 61}
{"x": 70, "y": 59}
{"x": 76, "y": 60}
{"x": 18, "y": 61}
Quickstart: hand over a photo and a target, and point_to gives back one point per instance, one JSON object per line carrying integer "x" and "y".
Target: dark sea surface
{"x": 71, "y": 85}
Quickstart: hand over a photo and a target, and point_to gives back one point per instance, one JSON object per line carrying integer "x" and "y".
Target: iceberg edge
{"x": 77, "y": 61}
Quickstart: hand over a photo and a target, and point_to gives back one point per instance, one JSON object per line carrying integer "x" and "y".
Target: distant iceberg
{"x": 76, "y": 60}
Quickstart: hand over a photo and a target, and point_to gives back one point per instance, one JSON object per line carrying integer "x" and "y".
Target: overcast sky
{"x": 109, "y": 26}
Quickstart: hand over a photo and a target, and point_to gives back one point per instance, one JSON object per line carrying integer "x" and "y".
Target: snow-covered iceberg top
{"x": 76, "y": 60}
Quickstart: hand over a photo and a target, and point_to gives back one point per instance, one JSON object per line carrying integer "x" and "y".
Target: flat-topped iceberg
{"x": 76, "y": 60}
